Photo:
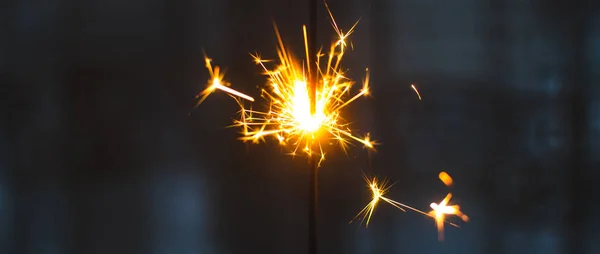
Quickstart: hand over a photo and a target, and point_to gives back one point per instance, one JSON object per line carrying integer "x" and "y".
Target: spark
{"x": 216, "y": 82}
{"x": 441, "y": 210}
{"x": 445, "y": 178}
{"x": 416, "y": 91}
{"x": 378, "y": 189}
{"x": 288, "y": 117}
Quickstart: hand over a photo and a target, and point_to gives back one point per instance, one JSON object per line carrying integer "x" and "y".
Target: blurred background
{"x": 102, "y": 150}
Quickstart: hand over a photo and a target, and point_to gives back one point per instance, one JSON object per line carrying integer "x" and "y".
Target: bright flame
{"x": 301, "y": 109}
{"x": 289, "y": 117}
{"x": 442, "y": 209}
{"x": 216, "y": 82}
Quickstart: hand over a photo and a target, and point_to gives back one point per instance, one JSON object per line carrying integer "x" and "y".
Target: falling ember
{"x": 216, "y": 82}
{"x": 442, "y": 209}
{"x": 289, "y": 118}
{"x": 378, "y": 189}
{"x": 416, "y": 91}
{"x": 446, "y": 179}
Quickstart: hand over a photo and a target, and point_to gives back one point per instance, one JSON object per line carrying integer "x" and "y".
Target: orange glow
{"x": 441, "y": 210}
{"x": 416, "y": 91}
{"x": 446, "y": 179}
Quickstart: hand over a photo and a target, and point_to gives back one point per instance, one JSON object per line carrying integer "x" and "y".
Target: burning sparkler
{"x": 289, "y": 118}
{"x": 305, "y": 99}
{"x": 299, "y": 112}
{"x": 442, "y": 209}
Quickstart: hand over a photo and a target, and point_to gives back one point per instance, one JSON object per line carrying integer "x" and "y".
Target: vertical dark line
{"x": 10, "y": 117}
{"x": 579, "y": 129}
{"x": 312, "y": 207}
{"x": 498, "y": 43}
{"x": 75, "y": 25}
{"x": 64, "y": 31}
{"x": 314, "y": 174}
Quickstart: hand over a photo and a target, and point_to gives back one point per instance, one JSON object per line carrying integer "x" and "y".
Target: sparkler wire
{"x": 313, "y": 180}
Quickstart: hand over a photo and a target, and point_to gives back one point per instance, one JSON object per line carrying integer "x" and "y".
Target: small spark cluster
{"x": 378, "y": 189}
{"x": 439, "y": 212}
{"x": 442, "y": 209}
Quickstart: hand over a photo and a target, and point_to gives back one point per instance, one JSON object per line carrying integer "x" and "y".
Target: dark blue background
{"x": 100, "y": 155}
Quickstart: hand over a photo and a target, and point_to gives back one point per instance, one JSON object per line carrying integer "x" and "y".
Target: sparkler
{"x": 442, "y": 209}
{"x": 289, "y": 118}
{"x": 305, "y": 100}
{"x": 313, "y": 176}
{"x": 305, "y": 103}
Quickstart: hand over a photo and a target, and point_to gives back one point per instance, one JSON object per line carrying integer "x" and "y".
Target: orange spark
{"x": 378, "y": 189}
{"x": 441, "y": 210}
{"x": 416, "y": 91}
{"x": 216, "y": 82}
{"x": 446, "y": 179}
